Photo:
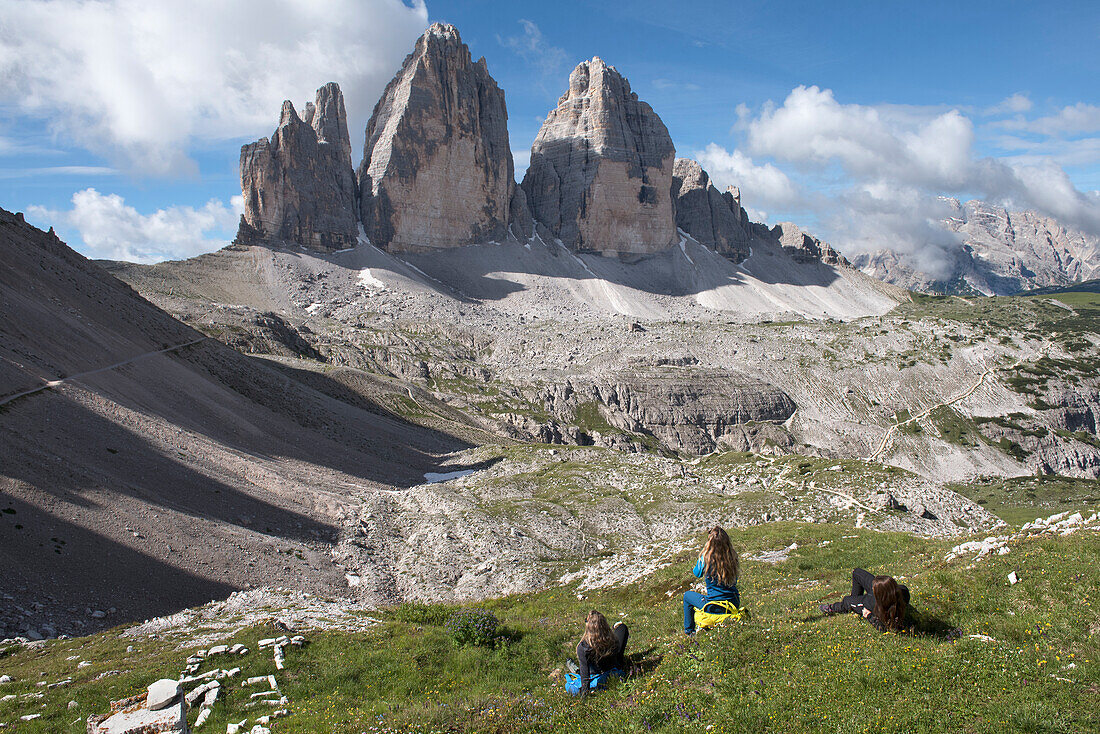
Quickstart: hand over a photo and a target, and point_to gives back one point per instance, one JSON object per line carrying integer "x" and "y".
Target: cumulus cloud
{"x": 762, "y": 186}
{"x": 895, "y": 162}
{"x": 877, "y": 216}
{"x": 533, "y": 48}
{"x": 812, "y": 129}
{"x": 141, "y": 81}
{"x": 110, "y": 229}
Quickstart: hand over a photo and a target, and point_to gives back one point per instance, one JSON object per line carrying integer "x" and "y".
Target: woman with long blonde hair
{"x": 720, "y": 567}
{"x": 600, "y": 653}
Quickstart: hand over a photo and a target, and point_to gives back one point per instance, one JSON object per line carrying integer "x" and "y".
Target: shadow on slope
{"x": 94, "y": 456}
{"x": 91, "y": 570}
{"x": 246, "y": 405}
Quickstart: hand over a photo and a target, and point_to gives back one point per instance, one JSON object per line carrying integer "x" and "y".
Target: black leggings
{"x": 861, "y": 596}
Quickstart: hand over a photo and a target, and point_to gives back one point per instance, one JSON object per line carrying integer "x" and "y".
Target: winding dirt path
{"x": 54, "y": 383}
{"x": 892, "y": 431}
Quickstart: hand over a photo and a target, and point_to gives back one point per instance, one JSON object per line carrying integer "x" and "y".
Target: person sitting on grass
{"x": 879, "y": 599}
{"x": 600, "y": 653}
{"x": 720, "y": 567}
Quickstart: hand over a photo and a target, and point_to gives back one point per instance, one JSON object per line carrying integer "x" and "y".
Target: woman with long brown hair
{"x": 720, "y": 567}
{"x": 881, "y": 600}
{"x": 600, "y": 653}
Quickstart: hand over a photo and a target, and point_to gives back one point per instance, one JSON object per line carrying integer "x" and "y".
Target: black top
{"x": 611, "y": 661}
{"x": 861, "y": 598}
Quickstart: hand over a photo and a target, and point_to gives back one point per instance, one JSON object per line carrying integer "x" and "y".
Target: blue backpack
{"x": 598, "y": 680}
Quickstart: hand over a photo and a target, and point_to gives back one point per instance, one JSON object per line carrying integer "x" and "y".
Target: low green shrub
{"x": 473, "y": 627}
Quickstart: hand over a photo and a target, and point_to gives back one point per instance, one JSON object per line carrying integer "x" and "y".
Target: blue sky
{"x": 850, "y": 118}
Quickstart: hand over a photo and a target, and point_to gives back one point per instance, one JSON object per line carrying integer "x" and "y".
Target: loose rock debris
{"x": 163, "y": 708}
{"x": 1061, "y": 524}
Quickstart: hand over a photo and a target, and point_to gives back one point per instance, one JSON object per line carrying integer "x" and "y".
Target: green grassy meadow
{"x": 787, "y": 669}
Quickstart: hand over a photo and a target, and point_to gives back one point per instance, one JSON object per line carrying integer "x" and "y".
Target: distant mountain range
{"x": 1002, "y": 253}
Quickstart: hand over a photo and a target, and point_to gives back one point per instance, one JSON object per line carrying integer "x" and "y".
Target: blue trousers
{"x": 692, "y": 600}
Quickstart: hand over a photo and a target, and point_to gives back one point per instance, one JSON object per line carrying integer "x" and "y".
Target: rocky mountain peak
{"x": 601, "y": 167}
{"x": 288, "y": 115}
{"x": 329, "y": 119}
{"x": 298, "y": 187}
{"x": 441, "y": 32}
{"x": 718, "y": 221}
{"x": 438, "y": 136}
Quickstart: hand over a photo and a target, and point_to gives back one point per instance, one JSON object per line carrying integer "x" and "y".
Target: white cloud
{"x": 57, "y": 171}
{"x": 894, "y": 162}
{"x": 533, "y": 48}
{"x": 1072, "y": 120}
{"x": 521, "y": 159}
{"x": 141, "y": 81}
{"x": 761, "y": 186}
{"x": 670, "y": 84}
{"x": 1026, "y": 151}
{"x": 1015, "y": 103}
{"x": 112, "y": 230}
{"x": 812, "y": 129}
{"x": 879, "y": 215}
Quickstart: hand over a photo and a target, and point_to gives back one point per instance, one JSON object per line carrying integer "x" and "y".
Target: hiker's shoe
{"x": 827, "y": 609}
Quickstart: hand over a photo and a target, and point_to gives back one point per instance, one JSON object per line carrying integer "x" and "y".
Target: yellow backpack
{"x": 704, "y": 619}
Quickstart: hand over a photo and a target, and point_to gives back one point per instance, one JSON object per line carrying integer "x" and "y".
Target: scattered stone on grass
{"x": 162, "y": 693}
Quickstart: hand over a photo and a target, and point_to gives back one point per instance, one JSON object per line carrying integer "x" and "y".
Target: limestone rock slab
{"x": 162, "y": 693}
{"x": 135, "y": 718}
{"x": 601, "y": 167}
{"x": 437, "y": 167}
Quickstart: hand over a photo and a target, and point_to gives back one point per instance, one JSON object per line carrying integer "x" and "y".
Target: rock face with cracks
{"x": 298, "y": 187}
{"x": 714, "y": 219}
{"x": 690, "y": 409}
{"x": 437, "y": 168}
{"x": 601, "y": 167}
{"x": 804, "y": 247}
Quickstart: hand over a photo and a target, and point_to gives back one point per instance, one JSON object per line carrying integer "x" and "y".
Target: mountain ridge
{"x": 1002, "y": 253}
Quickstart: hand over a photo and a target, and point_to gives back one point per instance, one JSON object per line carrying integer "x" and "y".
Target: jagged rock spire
{"x": 437, "y": 168}
{"x": 330, "y": 120}
{"x": 714, "y": 219}
{"x": 299, "y": 187}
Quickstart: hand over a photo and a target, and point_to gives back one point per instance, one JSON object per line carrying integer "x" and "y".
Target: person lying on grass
{"x": 600, "y": 654}
{"x": 879, "y": 599}
{"x": 720, "y": 567}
